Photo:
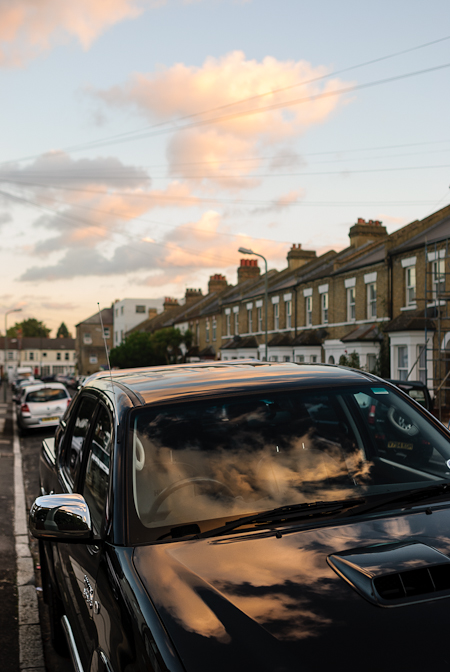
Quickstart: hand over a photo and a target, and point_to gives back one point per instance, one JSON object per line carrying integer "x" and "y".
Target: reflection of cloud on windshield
{"x": 190, "y": 476}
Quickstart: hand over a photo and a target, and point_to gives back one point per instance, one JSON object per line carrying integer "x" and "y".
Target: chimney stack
{"x": 217, "y": 283}
{"x": 170, "y": 303}
{"x": 192, "y": 295}
{"x": 366, "y": 232}
{"x": 152, "y": 312}
{"x": 297, "y": 257}
{"x": 248, "y": 270}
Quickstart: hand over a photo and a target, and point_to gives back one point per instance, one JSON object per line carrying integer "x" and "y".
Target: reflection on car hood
{"x": 258, "y": 602}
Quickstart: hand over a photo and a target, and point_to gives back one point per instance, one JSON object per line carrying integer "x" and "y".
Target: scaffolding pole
{"x": 436, "y": 299}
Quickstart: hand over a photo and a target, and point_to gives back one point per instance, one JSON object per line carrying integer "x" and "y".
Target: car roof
{"x": 41, "y": 386}
{"x": 162, "y": 383}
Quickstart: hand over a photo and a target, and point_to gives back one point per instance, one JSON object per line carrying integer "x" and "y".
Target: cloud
{"x": 5, "y": 218}
{"x": 212, "y": 154}
{"x": 282, "y": 202}
{"x": 54, "y": 305}
{"x": 30, "y": 27}
{"x": 186, "y": 249}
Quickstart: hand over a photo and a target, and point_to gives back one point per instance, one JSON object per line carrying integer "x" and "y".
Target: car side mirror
{"x": 61, "y": 518}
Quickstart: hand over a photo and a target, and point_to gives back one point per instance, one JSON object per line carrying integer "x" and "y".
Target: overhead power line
{"x": 79, "y": 221}
{"x": 268, "y": 108}
{"x": 137, "y": 133}
{"x": 265, "y": 94}
{"x": 115, "y": 174}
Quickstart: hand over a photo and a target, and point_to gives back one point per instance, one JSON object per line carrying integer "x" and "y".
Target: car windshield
{"x": 224, "y": 458}
{"x": 45, "y": 395}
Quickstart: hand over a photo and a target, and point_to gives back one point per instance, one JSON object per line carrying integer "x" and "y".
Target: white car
{"x": 42, "y": 405}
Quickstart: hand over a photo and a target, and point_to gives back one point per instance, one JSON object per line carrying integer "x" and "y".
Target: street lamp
{"x": 245, "y": 250}
{"x": 13, "y": 310}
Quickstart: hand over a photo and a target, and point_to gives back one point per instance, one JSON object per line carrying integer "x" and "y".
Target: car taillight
{"x": 372, "y": 414}
{"x": 24, "y": 408}
{"x": 68, "y": 402}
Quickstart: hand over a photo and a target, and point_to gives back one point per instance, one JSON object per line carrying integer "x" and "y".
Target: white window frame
{"x": 236, "y": 322}
{"x": 207, "y": 330}
{"x": 371, "y": 300}
{"x": 438, "y": 277}
{"x": 250, "y": 320}
{"x": 276, "y": 316}
{"x": 401, "y": 361}
{"x": 324, "y": 305}
{"x": 288, "y": 310}
{"x": 410, "y": 285}
{"x": 228, "y": 324}
{"x": 308, "y": 311}
{"x": 351, "y": 304}
{"x": 214, "y": 328}
{"x": 259, "y": 318}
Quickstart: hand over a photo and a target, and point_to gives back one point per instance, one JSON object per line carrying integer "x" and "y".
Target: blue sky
{"x": 152, "y": 215}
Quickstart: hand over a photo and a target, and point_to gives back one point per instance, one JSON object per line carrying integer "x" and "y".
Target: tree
{"x": 143, "y": 349}
{"x": 135, "y": 350}
{"x": 166, "y": 343}
{"x": 28, "y": 328}
{"x": 62, "y": 332}
{"x": 352, "y": 360}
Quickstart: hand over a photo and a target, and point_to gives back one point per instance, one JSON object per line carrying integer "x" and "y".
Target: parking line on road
{"x": 31, "y": 655}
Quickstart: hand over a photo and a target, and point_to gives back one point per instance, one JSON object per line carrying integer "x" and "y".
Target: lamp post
{"x": 13, "y": 310}
{"x": 245, "y": 250}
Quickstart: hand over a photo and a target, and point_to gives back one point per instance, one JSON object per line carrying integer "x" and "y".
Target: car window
{"x": 419, "y": 396}
{"x": 97, "y": 467}
{"x": 46, "y": 395}
{"x": 204, "y": 460}
{"x": 77, "y": 436}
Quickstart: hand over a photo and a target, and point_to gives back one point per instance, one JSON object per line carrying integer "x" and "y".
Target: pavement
{"x": 9, "y": 625}
{"x": 21, "y": 642}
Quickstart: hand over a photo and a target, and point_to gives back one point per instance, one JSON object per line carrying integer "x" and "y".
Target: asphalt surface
{"x": 9, "y": 627}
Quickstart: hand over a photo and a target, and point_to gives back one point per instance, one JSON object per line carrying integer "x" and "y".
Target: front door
{"x": 80, "y": 562}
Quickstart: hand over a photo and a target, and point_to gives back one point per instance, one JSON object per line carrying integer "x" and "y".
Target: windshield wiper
{"x": 405, "y": 497}
{"x": 284, "y": 513}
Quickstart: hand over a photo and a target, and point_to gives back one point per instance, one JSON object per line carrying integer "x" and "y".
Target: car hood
{"x": 258, "y": 602}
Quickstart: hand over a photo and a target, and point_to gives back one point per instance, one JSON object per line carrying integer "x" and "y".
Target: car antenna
{"x": 107, "y": 360}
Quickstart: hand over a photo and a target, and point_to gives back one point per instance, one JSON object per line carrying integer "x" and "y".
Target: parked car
{"x": 42, "y": 405}
{"x": 246, "y": 516}
{"x": 417, "y": 390}
{"x": 21, "y": 385}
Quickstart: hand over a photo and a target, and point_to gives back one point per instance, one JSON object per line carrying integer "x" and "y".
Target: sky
{"x": 144, "y": 141}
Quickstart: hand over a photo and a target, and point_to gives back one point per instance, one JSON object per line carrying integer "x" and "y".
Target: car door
{"x": 88, "y": 457}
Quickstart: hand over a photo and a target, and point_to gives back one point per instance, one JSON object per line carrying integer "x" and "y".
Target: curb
{"x": 31, "y": 656}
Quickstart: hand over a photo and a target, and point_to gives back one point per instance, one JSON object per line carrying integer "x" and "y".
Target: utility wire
{"x": 265, "y": 94}
{"x": 83, "y": 222}
{"x": 269, "y": 108}
{"x": 138, "y": 132}
{"x": 195, "y": 200}
{"x": 76, "y": 173}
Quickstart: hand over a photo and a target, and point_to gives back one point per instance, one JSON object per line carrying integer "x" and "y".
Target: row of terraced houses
{"x": 382, "y": 302}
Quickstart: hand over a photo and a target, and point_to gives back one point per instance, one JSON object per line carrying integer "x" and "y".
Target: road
{"x": 30, "y": 448}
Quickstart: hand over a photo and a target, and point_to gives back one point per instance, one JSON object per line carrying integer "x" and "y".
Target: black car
{"x": 246, "y": 516}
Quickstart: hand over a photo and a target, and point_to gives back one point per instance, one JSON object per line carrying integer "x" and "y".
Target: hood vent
{"x": 393, "y": 575}
{"x": 415, "y": 582}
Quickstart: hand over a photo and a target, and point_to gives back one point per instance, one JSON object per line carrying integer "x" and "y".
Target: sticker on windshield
{"x": 380, "y": 390}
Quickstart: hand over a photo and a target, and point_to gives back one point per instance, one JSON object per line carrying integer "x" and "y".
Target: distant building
{"x": 89, "y": 343}
{"x": 45, "y": 356}
{"x": 130, "y": 312}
